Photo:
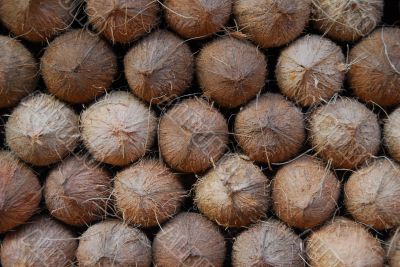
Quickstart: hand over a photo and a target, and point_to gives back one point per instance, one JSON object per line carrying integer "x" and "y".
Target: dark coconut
{"x": 189, "y": 240}
{"x": 392, "y": 134}
{"x": 77, "y": 191}
{"x": 159, "y": 67}
{"x": 78, "y": 66}
{"x": 374, "y": 73}
{"x": 118, "y": 129}
{"x": 345, "y": 133}
{"x": 192, "y": 135}
{"x": 272, "y": 23}
{"x": 18, "y": 72}
{"x": 42, "y": 130}
{"x": 231, "y": 71}
{"x": 41, "y": 243}
{"x": 20, "y": 192}
{"x": 113, "y": 243}
{"x": 311, "y": 70}
{"x": 393, "y": 249}
{"x": 270, "y": 129}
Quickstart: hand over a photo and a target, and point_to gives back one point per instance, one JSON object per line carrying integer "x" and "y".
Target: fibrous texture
{"x": 392, "y": 134}
{"x": 393, "y": 249}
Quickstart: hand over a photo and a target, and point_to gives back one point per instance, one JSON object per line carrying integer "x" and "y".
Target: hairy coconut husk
{"x": 392, "y": 134}
{"x": 393, "y": 249}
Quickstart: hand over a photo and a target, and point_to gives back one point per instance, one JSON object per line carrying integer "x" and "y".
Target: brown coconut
{"x": 41, "y": 243}
{"x": 393, "y": 249}
{"x": 270, "y": 129}
{"x": 372, "y": 195}
{"x": 269, "y": 243}
{"x": 305, "y": 193}
{"x": 78, "y": 66}
{"x": 189, "y": 240}
{"x": 231, "y": 71}
{"x": 37, "y": 20}
{"x": 42, "y": 130}
{"x": 192, "y": 135}
{"x": 235, "y": 193}
{"x": 392, "y": 134}
{"x": 148, "y": 193}
{"x": 77, "y": 191}
{"x": 123, "y": 21}
{"x": 113, "y": 243}
{"x": 344, "y": 243}
{"x": 18, "y": 72}
{"x": 374, "y": 74}
{"x": 20, "y": 192}
{"x": 345, "y": 132}
{"x": 118, "y": 129}
{"x": 311, "y": 70}
{"x": 197, "y": 19}
{"x": 272, "y": 23}
{"x": 345, "y": 20}
{"x": 159, "y": 67}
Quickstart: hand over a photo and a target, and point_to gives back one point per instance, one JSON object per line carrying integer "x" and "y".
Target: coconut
{"x": 37, "y": 21}
{"x": 233, "y": 194}
{"x": 77, "y": 191}
{"x": 18, "y": 72}
{"x": 113, "y": 243}
{"x": 40, "y": 243}
{"x": 311, "y": 70}
{"x": 42, "y": 130}
{"x": 393, "y": 249}
{"x": 374, "y": 74}
{"x": 344, "y": 243}
{"x": 345, "y": 20}
{"x": 123, "y": 21}
{"x": 272, "y": 23}
{"x": 231, "y": 71}
{"x": 197, "y": 19}
{"x": 148, "y": 193}
{"x": 78, "y": 66}
{"x": 192, "y": 135}
{"x": 269, "y": 243}
{"x": 345, "y": 132}
{"x": 392, "y": 134}
{"x": 20, "y": 192}
{"x": 372, "y": 195}
{"x": 305, "y": 193}
{"x": 159, "y": 67}
{"x": 189, "y": 240}
{"x": 118, "y": 129}
{"x": 270, "y": 129}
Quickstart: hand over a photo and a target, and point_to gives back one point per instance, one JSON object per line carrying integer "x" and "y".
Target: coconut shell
{"x": 311, "y": 70}
{"x": 113, "y": 243}
{"x": 148, "y": 193}
{"x": 305, "y": 193}
{"x": 159, "y": 67}
{"x": 270, "y": 129}
{"x": 392, "y": 134}
{"x": 18, "y": 72}
{"x": 197, "y": 19}
{"x": 189, "y": 240}
{"x": 271, "y": 23}
{"x": 344, "y": 243}
{"x": 118, "y": 129}
{"x": 233, "y": 194}
{"x": 77, "y": 191}
{"x": 393, "y": 249}
{"x": 269, "y": 243}
{"x": 20, "y": 192}
{"x": 37, "y": 21}
{"x": 78, "y": 66}
{"x": 192, "y": 135}
{"x": 231, "y": 71}
{"x": 374, "y": 74}
{"x": 42, "y": 130}
{"x": 345, "y": 132}
{"x": 345, "y": 20}
{"x": 123, "y": 21}
{"x": 40, "y": 243}
{"x": 372, "y": 195}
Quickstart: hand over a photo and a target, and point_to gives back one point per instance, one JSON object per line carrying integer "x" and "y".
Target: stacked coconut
{"x": 142, "y": 132}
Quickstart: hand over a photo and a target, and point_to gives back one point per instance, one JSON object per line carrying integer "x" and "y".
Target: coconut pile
{"x": 190, "y": 133}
